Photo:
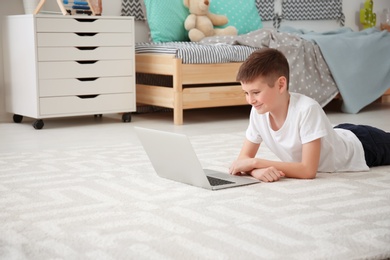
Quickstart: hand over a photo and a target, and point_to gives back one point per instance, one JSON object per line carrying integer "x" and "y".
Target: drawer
{"x": 84, "y": 24}
{"x": 73, "y": 69}
{"x": 85, "y": 53}
{"x": 85, "y": 86}
{"x": 84, "y": 39}
{"x": 84, "y": 105}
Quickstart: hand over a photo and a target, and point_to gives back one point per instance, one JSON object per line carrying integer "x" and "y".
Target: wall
{"x": 113, "y": 7}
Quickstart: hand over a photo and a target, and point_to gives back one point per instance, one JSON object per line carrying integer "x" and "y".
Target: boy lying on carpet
{"x": 296, "y": 129}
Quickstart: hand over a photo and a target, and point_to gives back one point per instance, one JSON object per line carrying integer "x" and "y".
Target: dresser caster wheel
{"x": 17, "y": 118}
{"x": 38, "y": 124}
{"x": 126, "y": 117}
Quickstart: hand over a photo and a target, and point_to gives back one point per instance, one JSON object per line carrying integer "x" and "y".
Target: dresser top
{"x": 60, "y": 16}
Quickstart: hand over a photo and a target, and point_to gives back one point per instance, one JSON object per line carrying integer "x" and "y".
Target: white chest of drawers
{"x": 57, "y": 66}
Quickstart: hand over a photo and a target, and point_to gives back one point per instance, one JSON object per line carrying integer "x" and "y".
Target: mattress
{"x": 196, "y": 53}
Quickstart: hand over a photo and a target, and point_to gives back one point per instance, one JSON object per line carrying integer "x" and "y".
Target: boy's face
{"x": 261, "y": 96}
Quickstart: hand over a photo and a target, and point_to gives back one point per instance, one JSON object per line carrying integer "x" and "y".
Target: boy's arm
{"x": 243, "y": 164}
{"x": 306, "y": 169}
{"x": 248, "y": 150}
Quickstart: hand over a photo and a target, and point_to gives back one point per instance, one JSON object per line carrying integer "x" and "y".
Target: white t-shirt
{"x": 306, "y": 121}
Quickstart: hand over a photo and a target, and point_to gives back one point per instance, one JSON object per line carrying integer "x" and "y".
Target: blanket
{"x": 309, "y": 72}
{"x": 358, "y": 61}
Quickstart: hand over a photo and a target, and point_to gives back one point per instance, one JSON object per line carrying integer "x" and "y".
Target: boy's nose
{"x": 251, "y": 100}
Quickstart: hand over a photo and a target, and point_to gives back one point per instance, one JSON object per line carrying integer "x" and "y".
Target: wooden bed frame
{"x": 194, "y": 85}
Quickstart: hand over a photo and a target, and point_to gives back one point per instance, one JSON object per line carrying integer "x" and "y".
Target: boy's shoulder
{"x": 302, "y": 99}
{"x": 301, "y": 104}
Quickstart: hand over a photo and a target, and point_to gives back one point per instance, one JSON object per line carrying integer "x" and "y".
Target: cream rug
{"x": 107, "y": 203}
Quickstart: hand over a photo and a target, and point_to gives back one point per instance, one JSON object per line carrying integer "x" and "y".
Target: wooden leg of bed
{"x": 178, "y": 93}
{"x": 177, "y": 117}
{"x": 178, "y": 109}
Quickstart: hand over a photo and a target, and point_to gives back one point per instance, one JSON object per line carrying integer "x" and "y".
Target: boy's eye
{"x": 252, "y": 93}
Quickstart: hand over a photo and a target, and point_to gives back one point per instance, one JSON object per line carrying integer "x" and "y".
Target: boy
{"x": 296, "y": 129}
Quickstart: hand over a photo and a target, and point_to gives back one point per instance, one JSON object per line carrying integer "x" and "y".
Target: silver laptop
{"x": 174, "y": 158}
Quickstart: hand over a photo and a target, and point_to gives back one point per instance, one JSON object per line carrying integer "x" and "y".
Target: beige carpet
{"x": 107, "y": 203}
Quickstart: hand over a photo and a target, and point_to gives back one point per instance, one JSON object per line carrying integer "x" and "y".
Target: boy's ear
{"x": 282, "y": 83}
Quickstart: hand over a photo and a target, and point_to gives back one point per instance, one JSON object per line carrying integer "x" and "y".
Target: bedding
{"x": 235, "y": 11}
{"x": 165, "y": 28}
{"x": 195, "y": 53}
{"x": 359, "y": 63}
{"x": 301, "y": 10}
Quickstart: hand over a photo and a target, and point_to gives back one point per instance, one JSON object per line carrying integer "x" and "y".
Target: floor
{"x": 88, "y": 130}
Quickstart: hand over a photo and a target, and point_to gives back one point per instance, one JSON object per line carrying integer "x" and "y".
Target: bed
{"x": 182, "y": 75}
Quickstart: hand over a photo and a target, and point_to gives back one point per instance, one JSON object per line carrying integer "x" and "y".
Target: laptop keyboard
{"x": 216, "y": 182}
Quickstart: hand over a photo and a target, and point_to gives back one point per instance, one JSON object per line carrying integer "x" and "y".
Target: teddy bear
{"x": 200, "y": 22}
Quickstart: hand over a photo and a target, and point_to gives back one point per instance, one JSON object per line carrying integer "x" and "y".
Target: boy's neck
{"x": 279, "y": 115}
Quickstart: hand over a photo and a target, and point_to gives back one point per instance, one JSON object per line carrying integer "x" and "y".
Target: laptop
{"x": 174, "y": 158}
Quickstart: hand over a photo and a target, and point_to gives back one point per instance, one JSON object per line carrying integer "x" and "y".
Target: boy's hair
{"x": 268, "y": 63}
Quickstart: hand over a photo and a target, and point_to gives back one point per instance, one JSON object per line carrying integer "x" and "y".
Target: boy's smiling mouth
{"x": 258, "y": 106}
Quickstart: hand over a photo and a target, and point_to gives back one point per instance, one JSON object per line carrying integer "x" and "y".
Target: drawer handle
{"x": 86, "y": 61}
{"x": 87, "y": 79}
{"x": 87, "y": 96}
{"x": 86, "y": 34}
{"x": 85, "y": 20}
{"x": 86, "y": 48}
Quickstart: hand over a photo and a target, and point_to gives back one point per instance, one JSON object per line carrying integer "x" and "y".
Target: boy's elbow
{"x": 310, "y": 175}
{"x": 302, "y": 175}
{"x": 309, "y": 171}
{"x": 307, "y": 175}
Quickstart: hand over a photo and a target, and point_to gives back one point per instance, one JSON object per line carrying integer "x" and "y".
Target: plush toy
{"x": 200, "y": 22}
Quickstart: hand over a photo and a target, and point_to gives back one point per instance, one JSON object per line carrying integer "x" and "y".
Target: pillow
{"x": 242, "y": 14}
{"x": 166, "y": 20}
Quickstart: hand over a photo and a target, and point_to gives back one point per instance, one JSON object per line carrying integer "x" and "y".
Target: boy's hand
{"x": 269, "y": 174}
{"x": 242, "y": 166}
